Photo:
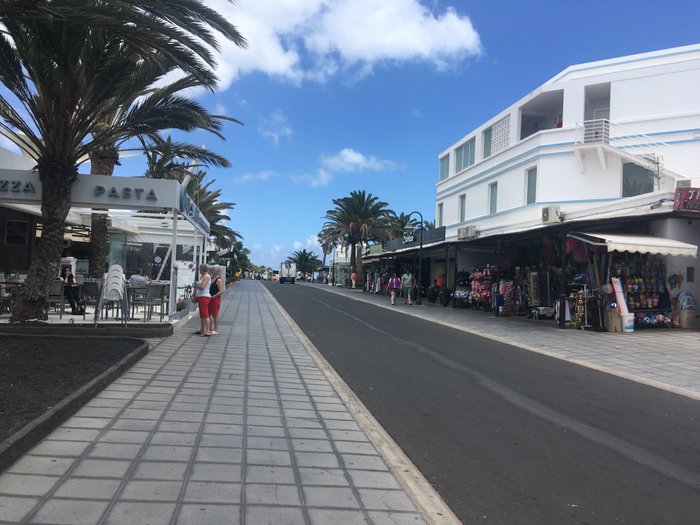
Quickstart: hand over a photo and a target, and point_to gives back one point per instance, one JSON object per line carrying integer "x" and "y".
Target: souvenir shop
{"x": 611, "y": 281}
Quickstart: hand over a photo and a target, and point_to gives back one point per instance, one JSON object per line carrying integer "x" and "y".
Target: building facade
{"x": 603, "y": 145}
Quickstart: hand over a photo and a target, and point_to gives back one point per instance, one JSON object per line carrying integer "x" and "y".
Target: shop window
{"x": 464, "y": 155}
{"x": 462, "y": 207}
{"x": 438, "y": 219}
{"x": 531, "y": 186}
{"x": 636, "y": 180}
{"x": 16, "y": 233}
{"x": 690, "y": 274}
{"x": 445, "y": 167}
{"x": 493, "y": 198}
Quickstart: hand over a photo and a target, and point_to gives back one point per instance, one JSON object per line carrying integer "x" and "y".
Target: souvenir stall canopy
{"x": 23, "y": 187}
{"x": 630, "y": 278}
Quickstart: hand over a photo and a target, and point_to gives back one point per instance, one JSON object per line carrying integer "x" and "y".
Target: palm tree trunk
{"x": 57, "y": 180}
{"x": 352, "y": 257}
{"x": 102, "y": 162}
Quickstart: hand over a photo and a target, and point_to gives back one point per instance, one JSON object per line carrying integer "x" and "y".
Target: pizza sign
{"x": 687, "y": 199}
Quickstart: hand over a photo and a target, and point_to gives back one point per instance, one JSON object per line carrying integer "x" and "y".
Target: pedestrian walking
{"x": 216, "y": 290}
{"x": 407, "y": 287}
{"x": 203, "y": 297}
{"x": 394, "y": 285}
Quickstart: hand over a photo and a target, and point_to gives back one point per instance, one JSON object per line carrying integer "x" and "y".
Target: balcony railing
{"x": 593, "y": 132}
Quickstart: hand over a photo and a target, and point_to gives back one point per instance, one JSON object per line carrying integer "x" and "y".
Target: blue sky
{"x": 339, "y": 95}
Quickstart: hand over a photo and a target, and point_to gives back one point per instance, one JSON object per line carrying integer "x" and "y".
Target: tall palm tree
{"x": 63, "y": 83}
{"x": 186, "y": 114}
{"x": 306, "y": 261}
{"x": 357, "y": 218}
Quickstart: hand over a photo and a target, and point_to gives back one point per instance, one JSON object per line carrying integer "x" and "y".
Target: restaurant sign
{"x": 687, "y": 199}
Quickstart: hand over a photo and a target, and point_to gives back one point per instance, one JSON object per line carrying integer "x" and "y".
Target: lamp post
{"x": 420, "y": 258}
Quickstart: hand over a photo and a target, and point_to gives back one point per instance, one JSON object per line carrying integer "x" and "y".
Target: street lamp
{"x": 420, "y": 258}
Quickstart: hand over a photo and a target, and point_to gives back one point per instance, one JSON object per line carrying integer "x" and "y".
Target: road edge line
{"x": 420, "y": 491}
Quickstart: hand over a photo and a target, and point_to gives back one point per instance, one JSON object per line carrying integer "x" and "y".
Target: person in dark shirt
{"x": 70, "y": 289}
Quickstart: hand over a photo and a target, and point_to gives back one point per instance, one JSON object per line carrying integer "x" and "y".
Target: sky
{"x": 343, "y": 95}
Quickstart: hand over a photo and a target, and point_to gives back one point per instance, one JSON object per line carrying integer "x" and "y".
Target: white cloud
{"x": 273, "y": 255}
{"x": 347, "y": 159}
{"x": 261, "y": 176}
{"x": 275, "y": 127}
{"x": 317, "y": 39}
{"x": 321, "y": 177}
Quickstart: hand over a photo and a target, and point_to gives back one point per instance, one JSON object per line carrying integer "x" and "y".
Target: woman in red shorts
{"x": 216, "y": 290}
{"x": 203, "y": 297}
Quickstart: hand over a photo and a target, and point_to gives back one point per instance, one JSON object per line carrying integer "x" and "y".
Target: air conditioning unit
{"x": 551, "y": 215}
{"x": 467, "y": 232}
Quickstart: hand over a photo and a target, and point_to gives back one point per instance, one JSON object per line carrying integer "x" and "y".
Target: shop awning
{"x": 617, "y": 242}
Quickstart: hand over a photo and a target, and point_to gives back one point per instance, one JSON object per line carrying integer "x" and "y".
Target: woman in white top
{"x": 203, "y": 297}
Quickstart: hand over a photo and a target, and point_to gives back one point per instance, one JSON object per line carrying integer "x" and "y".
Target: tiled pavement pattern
{"x": 242, "y": 427}
{"x": 661, "y": 357}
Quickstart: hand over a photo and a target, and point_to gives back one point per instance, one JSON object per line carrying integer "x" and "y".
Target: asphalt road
{"x": 506, "y": 435}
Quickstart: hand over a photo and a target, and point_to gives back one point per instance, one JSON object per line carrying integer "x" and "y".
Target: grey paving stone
{"x": 224, "y": 418}
{"x": 152, "y": 490}
{"x": 168, "y": 453}
{"x": 395, "y": 518}
{"x": 131, "y": 513}
{"x": 324, "y": 477}
{"x": 142, "y": 425}
{"x": 316, "y": 459}
{"x": 88, "y": 488}
{"x": 355, "y": 447}
{"x": 87, "y": 422}
{"x": 26, "y": 485}
{"x": 337, "y": 517}
{"x": 219, "y": 455}
{"x": 268, "y": 457}
{"x": 115, "y": 450}
{"x": 124, "y": 436}
{"x": 373, "y": 479}
{"x": 311, "y": 445}
{"x": 230, "y": 473}
{"x": 362, "y": 462}
{"x": 101, "y": 468}
{"x": 60, "y": 448}
{"x": 213, "y": 492}
{"x": 395, "y": 500}
{"x": 160, "y": 470}
{"x": 221, "y": 440}
{"x": 13, "y": 509}
{"x": 70, "y": 512}
{"x": 308, "y": 433}
{"x": 208, "y": 514}
{"x": 341, "y": 497}
{"x": 42, "y": 465}
{"x": 272, "y": 494}
{"x": 268, "y": 474}
{"x": 255, "y": 430}
{"x": 178, "y": 426}
{"x": 174, "y": 438}
{"x": 268, "y": 443}
{"x": 274, "y": 515}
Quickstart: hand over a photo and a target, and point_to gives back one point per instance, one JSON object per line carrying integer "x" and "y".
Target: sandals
{"x": 198, "y": 332}
{"x": 204, "y": 335}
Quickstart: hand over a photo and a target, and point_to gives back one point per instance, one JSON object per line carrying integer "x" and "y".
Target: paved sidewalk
{"x": 243, "y": 427}
{"x": 663, "y": 358}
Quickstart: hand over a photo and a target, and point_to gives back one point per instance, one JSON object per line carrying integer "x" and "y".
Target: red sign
{"x": 687, "y": 199}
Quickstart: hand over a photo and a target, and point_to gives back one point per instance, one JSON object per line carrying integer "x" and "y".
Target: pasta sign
{"x": 687, "y": 199}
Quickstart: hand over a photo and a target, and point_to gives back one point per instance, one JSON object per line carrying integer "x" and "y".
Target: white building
{"x": 600, "y": 144}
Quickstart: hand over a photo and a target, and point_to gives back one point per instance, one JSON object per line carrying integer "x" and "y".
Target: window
{"x": 445, "y": 167}
{"x": 16, "y": 233}
{"x": 487, "y": 143}
{"x": 493, "y": 198}
{"x": 438, "y": 219}
{"x": 462, "y": 207}
{"x": 531, "y": 188}
{"x": 636, "y": 180}
{"x": 464, "y": 155}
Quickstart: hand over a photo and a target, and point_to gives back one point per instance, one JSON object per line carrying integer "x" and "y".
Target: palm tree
{"x": 185, "y": 114}
{"x": 401, "y": 223}
{"x": 307, "y": 262}
{"x": 357, "y": 218}
{"x": 64, "y": 83}
{"x": 428, "y": 225}
{"x": 212, "y": 208}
